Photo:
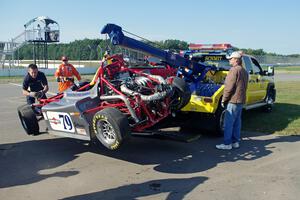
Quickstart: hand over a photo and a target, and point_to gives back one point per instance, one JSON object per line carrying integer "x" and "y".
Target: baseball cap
{"x": 235, "y": 54}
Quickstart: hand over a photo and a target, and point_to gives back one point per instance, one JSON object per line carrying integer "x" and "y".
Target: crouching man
{"x": 35, "y": 84}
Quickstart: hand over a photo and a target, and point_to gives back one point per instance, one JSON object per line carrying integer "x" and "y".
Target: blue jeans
{"x": 232, "y": 123}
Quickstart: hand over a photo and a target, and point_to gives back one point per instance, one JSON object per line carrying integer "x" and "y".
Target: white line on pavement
{"x": 16, "y": 84}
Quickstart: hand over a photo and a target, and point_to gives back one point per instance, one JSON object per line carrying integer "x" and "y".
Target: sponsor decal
{"x": 81, "y": 131}
{"x": 54, "y": 121}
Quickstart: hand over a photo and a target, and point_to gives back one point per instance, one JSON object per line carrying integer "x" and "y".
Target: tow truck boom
{"x": 191, "y": 70}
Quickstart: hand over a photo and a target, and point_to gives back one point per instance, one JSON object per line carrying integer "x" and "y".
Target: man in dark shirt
{"x": 35, "y": 84}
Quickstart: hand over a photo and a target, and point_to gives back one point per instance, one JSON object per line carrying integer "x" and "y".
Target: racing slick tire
{"x": 110, "y": 127}
{"x": 182, "y": 94}
{"x": 28, "y": 120}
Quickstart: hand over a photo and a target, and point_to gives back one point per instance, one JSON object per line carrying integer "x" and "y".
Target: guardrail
{"x": 22, "y": 72}
{"x": 278, "y": 60}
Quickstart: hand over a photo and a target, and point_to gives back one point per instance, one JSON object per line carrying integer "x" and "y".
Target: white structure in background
{"x": 42, "y": 29}
{"x": 39, "y": 31}
{"x": 8, "y": 49}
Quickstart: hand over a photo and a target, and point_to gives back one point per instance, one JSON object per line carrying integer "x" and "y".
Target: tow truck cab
{"x": 206, "y": 98}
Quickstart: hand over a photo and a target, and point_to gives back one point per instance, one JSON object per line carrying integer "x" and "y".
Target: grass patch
{"x": 287, "y": 69}
{"x": 285, "y": 117}
{"x": 11, "y": 79}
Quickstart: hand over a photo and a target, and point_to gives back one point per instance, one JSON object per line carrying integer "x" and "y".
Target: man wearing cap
{"x": 234, "y": 97}
{"x": 65, "y": 75}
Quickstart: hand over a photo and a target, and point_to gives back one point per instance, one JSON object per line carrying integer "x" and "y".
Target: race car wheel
{"x": 110, "y": 127}
{"x": 28, "y": 120}
{"x": 182, "y": 94}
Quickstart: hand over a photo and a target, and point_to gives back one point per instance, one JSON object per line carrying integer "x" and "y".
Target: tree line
{"x": 93, "y": 49}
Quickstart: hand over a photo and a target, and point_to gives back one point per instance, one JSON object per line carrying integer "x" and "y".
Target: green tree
{"x": 93, "y": 49}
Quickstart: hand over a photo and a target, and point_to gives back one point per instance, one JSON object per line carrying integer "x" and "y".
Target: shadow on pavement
{"x": 207, "y": 157}
{"x": 21, "y": 163}
{"x": 197, "y": 156}
{"x": 176, "y": 189}
{"x": 180, "y": 158}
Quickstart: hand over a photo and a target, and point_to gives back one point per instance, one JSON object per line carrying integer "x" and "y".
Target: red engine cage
{"x": 141, "y": 108}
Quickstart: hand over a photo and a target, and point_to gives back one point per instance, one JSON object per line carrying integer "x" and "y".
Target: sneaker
{"x": 224, "y": 146}
{"x": 236, "y": 145}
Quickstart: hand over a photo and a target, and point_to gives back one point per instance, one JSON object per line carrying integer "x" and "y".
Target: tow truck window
{"x": 248, "y": 64}
{"x": 219, "y": 61}
{"x": 256, "y": 67}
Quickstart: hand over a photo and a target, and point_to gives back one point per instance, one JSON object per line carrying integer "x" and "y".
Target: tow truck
{"x": 204, "y": 67}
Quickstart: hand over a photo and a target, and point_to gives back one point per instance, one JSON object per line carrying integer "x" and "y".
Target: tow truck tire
{"x": 110, "y": 127}
{"x": 271, "y": 96}
{"x": 182, "y": 94}
{"x": 28, "y": 120}
{"x": 219, "y": 120}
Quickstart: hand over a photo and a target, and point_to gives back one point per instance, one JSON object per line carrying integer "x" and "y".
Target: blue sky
{"x": 270, "y": 25}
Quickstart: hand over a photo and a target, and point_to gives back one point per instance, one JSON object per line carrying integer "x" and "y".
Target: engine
{"x": 148, "y": 87}
{"x": 151, "y": 88}
{"x": 148, "y": 96}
